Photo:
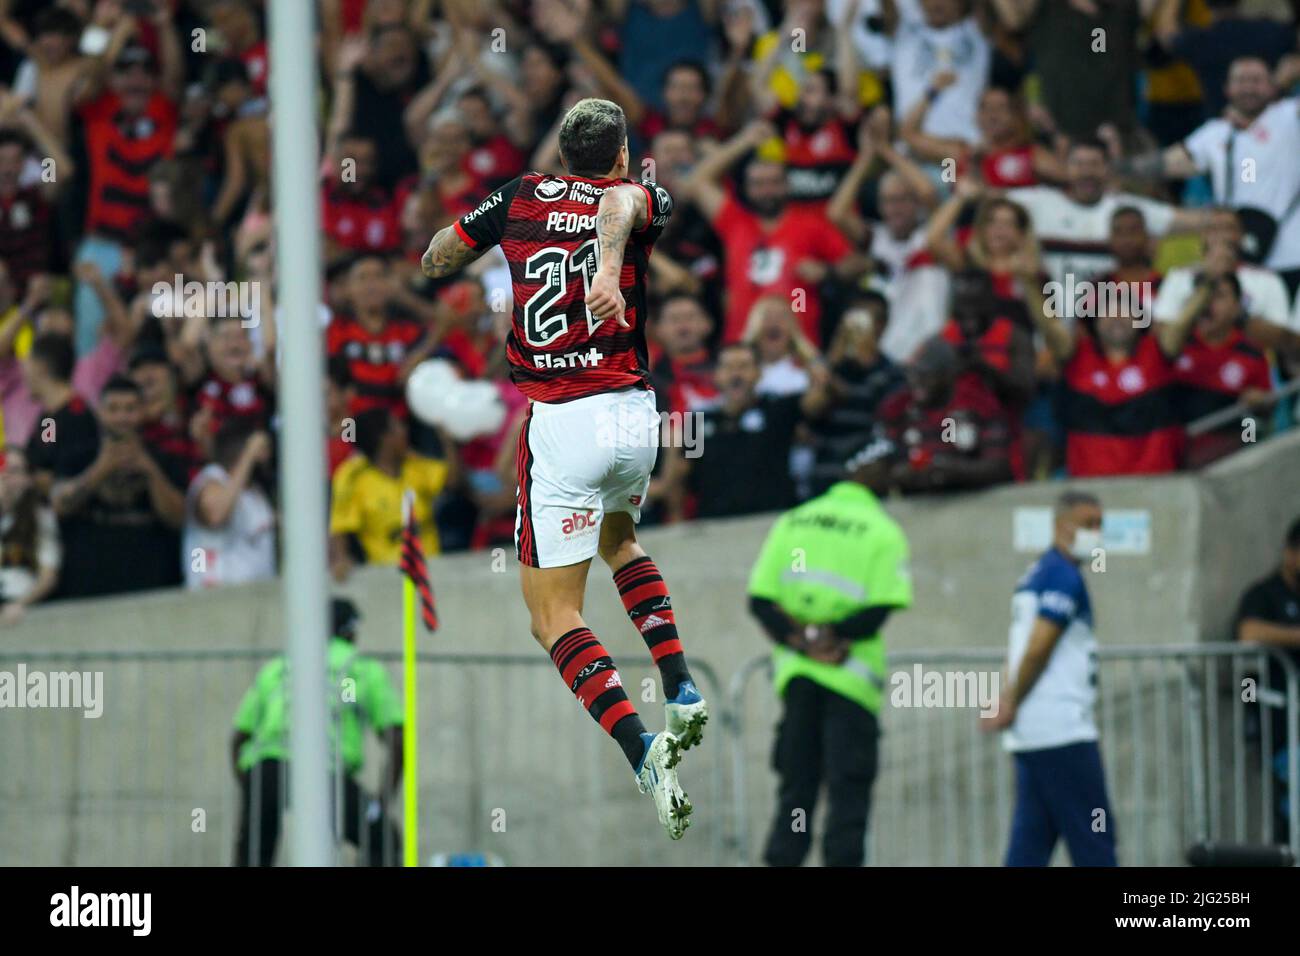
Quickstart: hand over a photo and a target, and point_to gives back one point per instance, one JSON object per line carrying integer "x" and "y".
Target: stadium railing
{"x": 1187, "y": 742}
{"x": 149, "y": 781}
{"x": 502, "y": 753}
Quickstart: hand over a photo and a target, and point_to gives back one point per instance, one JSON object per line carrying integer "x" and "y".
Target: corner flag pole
{"x": 302, "y": 448}
{"x": 410, "y": 725}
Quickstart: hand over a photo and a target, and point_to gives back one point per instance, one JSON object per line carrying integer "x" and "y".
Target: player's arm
{"x": 448, "y": 253}
{"x": 622, "y": 209}
{"x": 455, "y": 246}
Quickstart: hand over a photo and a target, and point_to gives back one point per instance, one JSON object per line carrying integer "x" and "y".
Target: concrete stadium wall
{"x": 505, "y": 741}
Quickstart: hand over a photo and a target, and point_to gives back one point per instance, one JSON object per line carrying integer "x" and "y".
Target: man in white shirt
{"x": 1252, "y": 155}
{"x": 1073, "y": 224}
{"x": 229, "y": 533}
{"x": 932, "y": 37}
{"x": 913, "y": 282}
{"x": 1047, "y": 712}
{"x": 1264, "y": 294}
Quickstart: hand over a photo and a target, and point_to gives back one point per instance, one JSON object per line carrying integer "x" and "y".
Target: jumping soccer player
{"x": 577, "y": 349}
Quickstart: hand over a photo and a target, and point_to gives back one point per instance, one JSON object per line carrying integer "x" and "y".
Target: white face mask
{"x": 1086, "y": 541}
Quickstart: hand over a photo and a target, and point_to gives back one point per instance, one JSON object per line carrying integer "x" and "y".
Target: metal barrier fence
{"x": 150, "y": 781}
{"x": 1187, "y": 759}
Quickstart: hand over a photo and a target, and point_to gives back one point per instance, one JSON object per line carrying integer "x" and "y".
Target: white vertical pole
{"x": 302, "y": 453}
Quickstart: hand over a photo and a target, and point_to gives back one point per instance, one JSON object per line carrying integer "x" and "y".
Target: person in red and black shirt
{"x": 234, "y": 386}
{"x": 1219, "y": 367}
{"x": 493, "y": 160}
{"x": 578, "y": 247}
{"x": 127, "y": 129}
{"x": 1130, "y": 244}
{"x": 1120, "y": 409}
{"x": 989, "y": 344}
{"x": 27, "y": 234}
{"x": 683, "y": 371}
{"x": 818, "y": 138}
{"x": 994, "y": 349}
{"x": 546, "y": 226}
{"x": 241, "y": 29}
{"x": 164, "y": 421}
{"x": 1005, "y": 156}
{"x": 379, "y": 346}
{"x": 953, "y": 431}
{"x": 360, "y": 215}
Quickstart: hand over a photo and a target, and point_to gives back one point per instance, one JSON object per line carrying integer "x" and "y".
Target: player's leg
{"x": 647, "y": 602}
{"x": 633, "y": 423}
{"x": 1033, "y": 832}
{"x": 554, "y": 599}
{"x": 797, "y": 760}
{"x": 557, "y": 528}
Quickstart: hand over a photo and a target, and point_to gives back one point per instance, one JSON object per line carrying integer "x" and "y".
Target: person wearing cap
{"x": 830, "y": 573}
{"x": 127, "y": 109}
{"x": 361, "y": 695}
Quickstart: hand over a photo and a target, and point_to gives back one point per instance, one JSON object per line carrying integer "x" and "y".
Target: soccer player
{"x": 577, "y": 349}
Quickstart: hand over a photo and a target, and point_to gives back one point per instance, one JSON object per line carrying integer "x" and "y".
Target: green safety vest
{"x": 370, "y": 699}
{"x": 829, "y": 558}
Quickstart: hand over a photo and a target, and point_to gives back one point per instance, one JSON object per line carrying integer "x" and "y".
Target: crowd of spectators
{"x": 1022, "y": 238}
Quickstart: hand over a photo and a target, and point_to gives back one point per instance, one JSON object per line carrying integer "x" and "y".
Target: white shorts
{"x": 576, "y": 461}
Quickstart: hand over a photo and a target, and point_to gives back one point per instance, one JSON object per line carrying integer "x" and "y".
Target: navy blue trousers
{"x": 1061, "y": 794}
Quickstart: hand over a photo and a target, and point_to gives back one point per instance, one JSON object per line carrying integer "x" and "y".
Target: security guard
{"x": 829, "y": 574}
{"x": 360, "y": 694}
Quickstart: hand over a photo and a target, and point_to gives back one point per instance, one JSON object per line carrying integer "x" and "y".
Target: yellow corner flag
{"x": 415, "y": 580}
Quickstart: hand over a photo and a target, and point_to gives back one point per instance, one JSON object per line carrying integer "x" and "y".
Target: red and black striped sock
{"x": 645, "y": 596}
{"x": 589, "y": 671}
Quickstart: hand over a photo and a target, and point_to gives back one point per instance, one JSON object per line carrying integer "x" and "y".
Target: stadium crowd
{"x": 1022, "y": 238}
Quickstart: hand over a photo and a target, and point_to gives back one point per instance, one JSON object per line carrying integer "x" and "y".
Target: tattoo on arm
{"x": 447, "y": 253}
{"x": 618, "y": 214}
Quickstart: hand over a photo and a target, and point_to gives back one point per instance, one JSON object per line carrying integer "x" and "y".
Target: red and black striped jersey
{"x": 374, "y": 359}
{"x": 546, "y": 226}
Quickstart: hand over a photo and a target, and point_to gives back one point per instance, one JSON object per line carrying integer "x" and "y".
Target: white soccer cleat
{"x": 657, "y": 777}
{"x": 686, "y": 714}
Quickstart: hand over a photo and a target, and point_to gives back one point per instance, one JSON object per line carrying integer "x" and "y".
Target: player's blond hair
{"x": 591, "y": 134}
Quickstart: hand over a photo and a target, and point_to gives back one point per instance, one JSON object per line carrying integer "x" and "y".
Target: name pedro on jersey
{"x": 569, "y": 222}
